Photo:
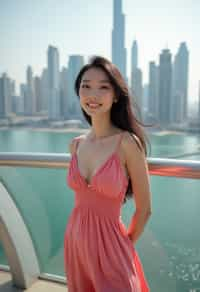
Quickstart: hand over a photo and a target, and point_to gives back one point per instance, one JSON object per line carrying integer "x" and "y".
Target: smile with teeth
{"x": 93, "y": 105}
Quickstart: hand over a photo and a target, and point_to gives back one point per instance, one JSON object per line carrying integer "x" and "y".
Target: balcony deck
{"x": 6, "y": 285}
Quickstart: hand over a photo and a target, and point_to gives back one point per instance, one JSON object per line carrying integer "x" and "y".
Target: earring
{"x": 115, "y": 100}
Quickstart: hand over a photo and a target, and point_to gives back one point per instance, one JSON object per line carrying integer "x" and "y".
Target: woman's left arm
{"x": 137, "y": 167}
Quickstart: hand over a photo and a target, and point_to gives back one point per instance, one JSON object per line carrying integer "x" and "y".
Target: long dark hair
{"x": 122, "y": 112}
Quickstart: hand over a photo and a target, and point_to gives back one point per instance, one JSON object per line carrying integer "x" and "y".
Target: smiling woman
{"x": 96, "y": 91}
{"x": 98, "y": 250}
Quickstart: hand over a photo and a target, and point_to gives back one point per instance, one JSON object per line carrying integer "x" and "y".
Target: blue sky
{"x": 84, "y": 27}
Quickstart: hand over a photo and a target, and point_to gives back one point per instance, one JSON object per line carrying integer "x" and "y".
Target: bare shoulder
{"x": 73, "y": 141}
{"x": 131, "y": 144}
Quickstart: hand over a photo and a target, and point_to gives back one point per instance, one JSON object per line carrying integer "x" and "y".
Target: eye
{"x": 85, "y": 86}
{"x": 105, "y": 87}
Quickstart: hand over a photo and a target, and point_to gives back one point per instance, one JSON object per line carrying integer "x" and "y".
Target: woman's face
{"x": 96, "y": 92}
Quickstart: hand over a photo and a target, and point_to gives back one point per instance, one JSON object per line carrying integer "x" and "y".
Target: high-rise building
{"x": 73, "y": 105}
{"x": 134, "y": 56}
{"x": 63, "y": 92}
{"x": 153, "y": 90}
{"x": 137, "y": 87}
{"x": 30, "y": 102}
{"x": 199, "y": 104}
{"x": 136, "y": 78}
{"x": 5, "y": 96}
{"x": 53, "y": 84}
{"x": 23, "y": 89}
{"x": 38, "y": 93}
{"x": 16, "y": 103}
{"x": 118, "y": 38}
{"x": 44, "y": 89}
{"x": 14, "y": 97}
{"x": 165, "y": 88}
{"x": 2, "y": 100}
{"x": 145, "y": 95}
{"x": 180, "y": 84}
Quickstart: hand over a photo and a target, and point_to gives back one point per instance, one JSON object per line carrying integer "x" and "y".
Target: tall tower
{"x": 134, "y": 56}
{"x": 165, "y": 88}
{"x": 23, "y": 89}
{"x": 53, "y": 83}
{"x": 136, "y": 77}
{"x": 44, "y": 89}
{"x": 199, "y": 104}
{"x": 30, "y": 102}
{"x": 38, "y": 93}
{"x": 5, "y": 96}
{"x": 118, "y": 38}
{"x": 153, "y": 90}
{"x": 180, "y": 83}
{"x": 74, "y": 65}
{"x": 63, "y": 92}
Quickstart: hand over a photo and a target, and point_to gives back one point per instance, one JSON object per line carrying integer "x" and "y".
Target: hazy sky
{"x": 84, "y": 27}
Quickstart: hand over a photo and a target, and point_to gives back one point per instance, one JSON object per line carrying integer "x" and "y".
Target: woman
{"x": 108, "y": 165}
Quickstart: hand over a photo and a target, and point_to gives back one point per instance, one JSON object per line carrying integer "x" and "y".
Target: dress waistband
{"x": 101, "y": 206}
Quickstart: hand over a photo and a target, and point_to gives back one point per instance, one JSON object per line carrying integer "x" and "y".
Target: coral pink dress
{"x": 98, "y": 254}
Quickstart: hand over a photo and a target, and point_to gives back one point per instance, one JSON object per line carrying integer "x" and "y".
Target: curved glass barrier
{"x": 169, "y": 247}
{"x": 3, "y": 259}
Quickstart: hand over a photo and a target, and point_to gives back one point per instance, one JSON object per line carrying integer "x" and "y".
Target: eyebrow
{"x": 101, "y": 81}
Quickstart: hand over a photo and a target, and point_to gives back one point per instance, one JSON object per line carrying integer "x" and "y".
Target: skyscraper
{"x": 23, "y": 89}
{"x": 180, "y": 84}
{"x": 134, "y": 56}
{"x": 2, "y": 100}
{"x": 38, "y": 93}
{"x": 44, "y": 89}
{"x": 53, "y": 84}
{"x": 74, "y": 65}
{"x": 118, "y": 38}
{"x": 136, "y": 77}
{"x": 198, "y": 113}
{"x": 153, "y": 90}
{"x": 30, "y": 102}
{"x": 165, "y": 88}
{"x": 63, "y": 92}
{"x": 5, "y": 96}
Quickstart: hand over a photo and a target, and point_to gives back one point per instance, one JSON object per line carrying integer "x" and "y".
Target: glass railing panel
{"x": 169, "y": 247}
{"x": 45, "y": 203}
{"x": 3, "y": 259}
{"x": 179, "y": 145}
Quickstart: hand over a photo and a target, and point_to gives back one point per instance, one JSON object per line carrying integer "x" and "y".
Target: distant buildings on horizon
{"x": 163, "y": 101}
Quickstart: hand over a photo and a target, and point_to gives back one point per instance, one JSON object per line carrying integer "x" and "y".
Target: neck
{"x": 101, "y": 127}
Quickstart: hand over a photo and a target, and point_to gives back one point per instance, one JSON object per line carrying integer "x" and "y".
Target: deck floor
{"x": 39, "y": 286}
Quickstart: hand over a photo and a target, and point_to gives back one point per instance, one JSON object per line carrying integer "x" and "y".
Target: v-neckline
{"x": 113, "y": 154}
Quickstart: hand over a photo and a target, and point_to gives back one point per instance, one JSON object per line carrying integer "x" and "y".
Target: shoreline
{"x": 84, "y": 130}
{"x": 57, "y": 130}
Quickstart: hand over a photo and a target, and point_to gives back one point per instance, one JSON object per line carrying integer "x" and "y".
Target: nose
{"x": 94, "y": 93}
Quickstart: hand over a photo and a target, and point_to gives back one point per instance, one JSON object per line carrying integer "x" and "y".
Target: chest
{"x": 91, "y": 158}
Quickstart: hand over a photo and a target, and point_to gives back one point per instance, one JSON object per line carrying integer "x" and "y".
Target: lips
{"x": 93, "y": 104}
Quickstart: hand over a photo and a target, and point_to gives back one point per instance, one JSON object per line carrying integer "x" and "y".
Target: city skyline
{"x": 33, "y": 41}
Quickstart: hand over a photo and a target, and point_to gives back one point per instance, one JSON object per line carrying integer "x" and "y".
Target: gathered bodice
{"x": 109, "y": 179}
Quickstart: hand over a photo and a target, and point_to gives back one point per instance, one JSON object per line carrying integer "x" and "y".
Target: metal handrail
{"x": 157, "y": 166}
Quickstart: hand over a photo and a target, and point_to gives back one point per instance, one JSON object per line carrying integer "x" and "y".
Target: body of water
{"x": 170, "y": 245}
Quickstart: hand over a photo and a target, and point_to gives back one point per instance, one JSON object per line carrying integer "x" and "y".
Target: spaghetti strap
{"x": 77, "y": 139}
